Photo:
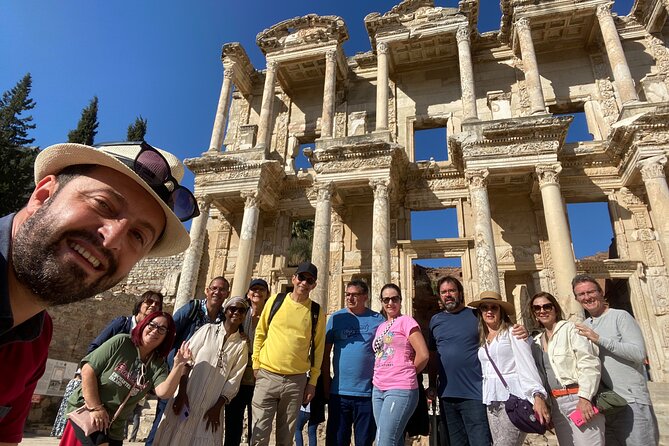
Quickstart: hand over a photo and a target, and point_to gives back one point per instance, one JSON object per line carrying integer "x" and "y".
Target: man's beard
{"x": 450, "y": 306}
{"x": 38, "y": 267}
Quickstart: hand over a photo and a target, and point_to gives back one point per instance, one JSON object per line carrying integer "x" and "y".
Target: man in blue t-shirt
{"x": 351, "y": 332}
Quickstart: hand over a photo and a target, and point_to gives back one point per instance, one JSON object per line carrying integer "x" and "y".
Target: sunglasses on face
{"x": 220, "y": 289}
{"x": 240, "y": 310}
{"x": 153, "y": 168}
{"x": 304, "y": 278}
{"x": 354, "y": 295}
{"x": 159, "y": 328}
{"x": 544, "y": 307}
{"x": 485, "y": 308}
{"x": 393, "y": 299}
{"x": 151, "y": 302}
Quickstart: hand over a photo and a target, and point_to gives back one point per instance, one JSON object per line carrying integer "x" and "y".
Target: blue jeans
{"x": 302, "y": 419}
{"x": 345, "y": 411}
{"x": 467, "y": 421}
{"x": 392, "y": 410}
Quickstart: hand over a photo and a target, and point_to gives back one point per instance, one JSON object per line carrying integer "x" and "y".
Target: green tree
{"x": 87, "y": 127}
{"x": 137, "y": 129}
{"x": 301, "y": 241}
{"x": 16, "y": 155}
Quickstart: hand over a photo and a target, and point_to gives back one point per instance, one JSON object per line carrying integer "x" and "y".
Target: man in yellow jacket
{"x": 289, "y": 342}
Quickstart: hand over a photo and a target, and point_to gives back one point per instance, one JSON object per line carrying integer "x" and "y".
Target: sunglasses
{"x": 544, "y": 307}
{"x": 304, "y": 278}
{"x": 221, "y": 289}
{"x": 393, "y": 299}
{"x": 155, "y": 302}
{"x": 159, "y": 328}
{"x": 240, "y": 310}
{"x": 153, "y": 168}
{"x": 485, "y": 308}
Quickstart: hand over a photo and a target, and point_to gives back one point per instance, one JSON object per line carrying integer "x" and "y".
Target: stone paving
{"x": 45, "y": 440}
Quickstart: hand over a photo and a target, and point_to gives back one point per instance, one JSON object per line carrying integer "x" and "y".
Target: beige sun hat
{"x": 491, "y": 297}
{"x": 55, "y": 158}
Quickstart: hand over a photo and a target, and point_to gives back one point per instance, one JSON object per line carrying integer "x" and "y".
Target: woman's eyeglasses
{"x": 485, "y": 308}
{"x": 393, "y": 299}
{"x": 240, "y": 310}
{"x": 159, "y": 328}
{"x": 153, "y": 168}
{"x": 304, "y": 278}
{"x": 544, "y": 307}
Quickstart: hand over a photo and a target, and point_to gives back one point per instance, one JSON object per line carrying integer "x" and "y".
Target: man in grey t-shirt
{"x": 622, "y": 351}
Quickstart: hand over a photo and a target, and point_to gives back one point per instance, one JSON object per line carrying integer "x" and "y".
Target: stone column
{"x": 530, "y": 66}
{"x": 221, "y": 120}
{"x": 484, "y": 242}
{"x": 380, "y": 239}
{"x": 655, "y": 180}
{"x": 329, "y": 94}
{"x": 559, "y": 238}
{"x": 320, "y": 251}
{"x": 614, "y": 50}
{"x": 381, "y": 86}
{"x": 264, "y": 130}
{"x": 190, "y": 268}
{"x": 466, "y": 74}
{"x": 247, "y": 241}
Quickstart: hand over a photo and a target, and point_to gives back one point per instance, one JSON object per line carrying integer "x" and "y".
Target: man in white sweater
{"x": 622, "y": 352}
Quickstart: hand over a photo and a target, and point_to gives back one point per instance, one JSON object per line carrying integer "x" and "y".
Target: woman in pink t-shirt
{"x": 401, "y": 353}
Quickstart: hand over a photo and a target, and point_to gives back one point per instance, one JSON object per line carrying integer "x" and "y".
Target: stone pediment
{"x": 309, "y": 30}
{"x": 357, "y": 156}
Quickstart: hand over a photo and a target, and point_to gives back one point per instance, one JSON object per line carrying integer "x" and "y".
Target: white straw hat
{"x": 55, "y": 158}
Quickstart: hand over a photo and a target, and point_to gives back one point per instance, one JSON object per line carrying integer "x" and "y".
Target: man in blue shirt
{"x": 350, "y": 331}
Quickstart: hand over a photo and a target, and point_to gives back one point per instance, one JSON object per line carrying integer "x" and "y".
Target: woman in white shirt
{"x": 514, "y": 361}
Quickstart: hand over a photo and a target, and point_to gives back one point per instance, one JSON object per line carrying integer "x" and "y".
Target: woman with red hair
{"x": 125, "y": 368}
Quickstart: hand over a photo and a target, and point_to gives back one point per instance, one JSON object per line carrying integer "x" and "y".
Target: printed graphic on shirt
{"x": 129, "y": 377}
{"x": 386, "y": 352}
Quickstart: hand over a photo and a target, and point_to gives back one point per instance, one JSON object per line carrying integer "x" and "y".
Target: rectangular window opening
{"x": 430, "y": 144}
{"x": 301, "y": 161}
{"x": 439, "y": 223}
{"x": 301, "y": 241}
{"x": 591, "y": 231}
{"x": 578, "y": 129}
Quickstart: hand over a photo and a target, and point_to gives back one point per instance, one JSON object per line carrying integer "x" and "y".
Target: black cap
{"x": 307, "y": 267}
{"x": 260, "y": 282}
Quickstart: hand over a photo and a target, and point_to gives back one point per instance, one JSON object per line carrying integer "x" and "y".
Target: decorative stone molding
{"x": 310, "y": 29}
{"x": 325, "y": 190}
{"x": 477, "y": 178}
{"x": 462, "y": 34}
{"x": 653, "y": 168}
{"x": 250, "y": 199}
{"x": 548, "y": 173}
{"x": 331, "y": 56}
{"x": 272, "y": 65}
{"x": 382, "y": 48}
{"x": 603, "y": 11}
{"x": 228, "y": 73}
{"x": 380, "y": 187}
{"x": 523, "y": 24}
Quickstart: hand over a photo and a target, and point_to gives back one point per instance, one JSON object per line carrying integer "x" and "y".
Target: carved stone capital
{"x": 652, "y": 168}
{"x": 324, "y": 191}
{"x": 603, "y": 11}
{"x": 382, "y": 48}
{"x": 227, "y": 73}
{"x": 272, "y": 65}
{"x": 548, "y": 173}
{"x": 203, "y": 204}
{"x": 462, "y": 34}
{"x": 330, "y": 56}
{"x": 250, "y": 198}
{"x": 380, "y": 188}
{"x": 523, "y": 25}
{"x": 477, "y": 178}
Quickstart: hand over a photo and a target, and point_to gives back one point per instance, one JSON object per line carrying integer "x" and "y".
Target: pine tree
{"x": 16, "y": 155}
{"x": 137, "y": 130}
{"x": 87, "y": 127}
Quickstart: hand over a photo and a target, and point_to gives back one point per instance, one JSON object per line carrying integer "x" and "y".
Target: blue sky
{"x": 158, "y": 59}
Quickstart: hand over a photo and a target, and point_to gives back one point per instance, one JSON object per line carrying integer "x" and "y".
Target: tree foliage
{"x": 87, "y": 127}
{"x": 137, "y": 130}
{"x": 301, "y": 241}
{"x": 16, "y": 155}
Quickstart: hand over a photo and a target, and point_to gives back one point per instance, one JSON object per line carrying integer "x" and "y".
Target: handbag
{"x": 81, "y": 416}
{"x": 608, "y": 401}
{"x": 520, "y": 411}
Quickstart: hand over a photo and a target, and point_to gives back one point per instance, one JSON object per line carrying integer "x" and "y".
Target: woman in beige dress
{"x": 220, "y": 357}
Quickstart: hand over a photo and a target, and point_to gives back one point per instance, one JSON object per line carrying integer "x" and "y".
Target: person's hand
{"x": 212, "y": 417}
{"x": 180, "y": 401}
{"x": 431, "y": 393}
{"x": 587, "y": 332}
{"x": 520, "y": 332}
{"x": 309, "y": 392}
{"x": 585, "y": 406}
{"x": 541, "y": 410}
{"x": 183, "y": 355}
{"x": 255, "y": 373}
{"x": 100, "y": 419}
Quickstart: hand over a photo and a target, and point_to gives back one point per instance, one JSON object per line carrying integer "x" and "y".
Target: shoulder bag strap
{"x": 485, "y": 346}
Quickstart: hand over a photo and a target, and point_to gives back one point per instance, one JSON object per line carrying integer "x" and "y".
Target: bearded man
{"x": 94, "y": 213}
